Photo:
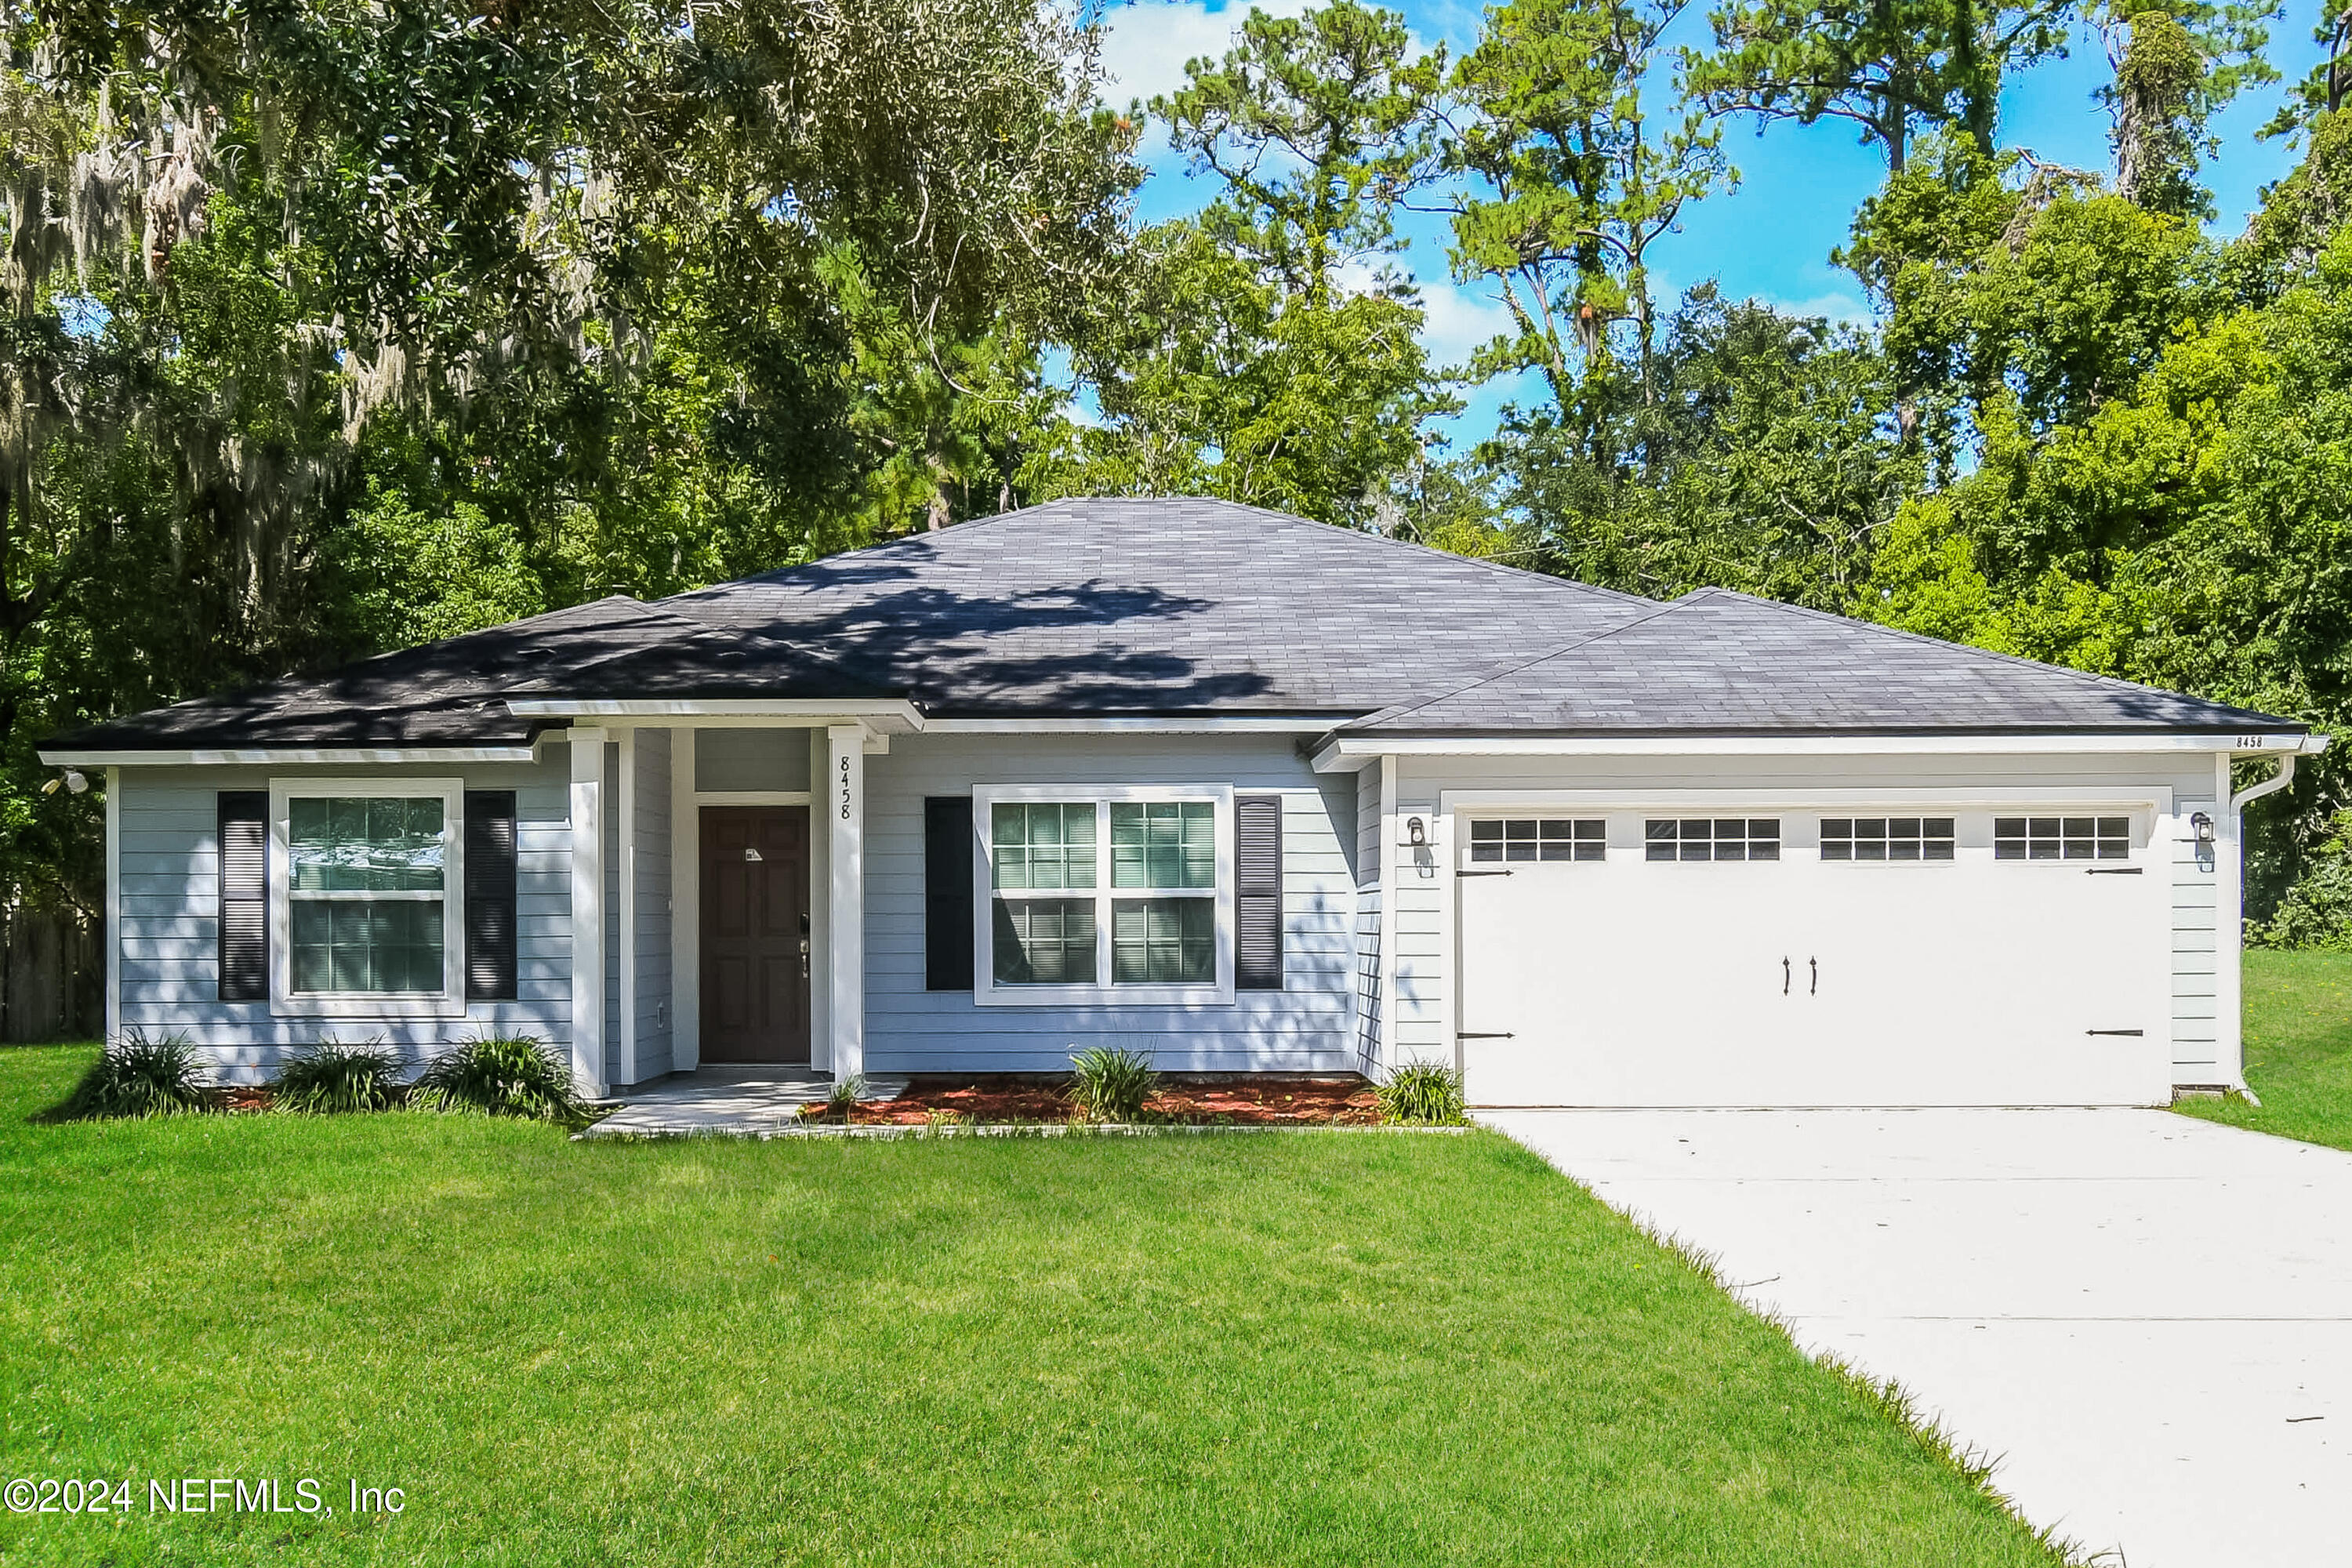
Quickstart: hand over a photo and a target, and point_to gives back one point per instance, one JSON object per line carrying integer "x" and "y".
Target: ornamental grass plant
{"x": 139, "y": 1076}
{"x": 1110, "y": 1083}
{"x": 1422, "y": 1094}
{"x": 329, "y": 1079}
{"x": 501, "y": 1075}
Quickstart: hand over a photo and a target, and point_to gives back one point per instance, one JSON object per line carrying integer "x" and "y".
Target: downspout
{"x": 2271, "y": 785}
{"x": 2238, "y": 804}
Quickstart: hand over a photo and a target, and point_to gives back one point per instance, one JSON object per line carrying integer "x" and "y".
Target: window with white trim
{"x": 365, "y": 885}
{"x": 1887, "y": 838}
{"x": 1712, "y": 838}
{"x": 2062, "y": 838}
{"x": 1539, "y": 838}
{"x": 1121, "y": 894}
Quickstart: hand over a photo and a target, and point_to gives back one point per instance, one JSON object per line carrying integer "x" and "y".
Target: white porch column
{"x": 840, "y": 800}
{"x": 588, "y": 910}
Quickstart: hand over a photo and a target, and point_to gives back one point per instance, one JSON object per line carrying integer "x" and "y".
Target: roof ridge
{"x": 1391, "y": 715}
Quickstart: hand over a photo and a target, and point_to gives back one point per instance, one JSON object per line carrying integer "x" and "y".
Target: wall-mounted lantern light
{"x": 1416, "y": 831}
{"x": 2202, "y": 823}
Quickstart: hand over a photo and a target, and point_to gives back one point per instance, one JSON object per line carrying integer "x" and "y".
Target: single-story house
{"x": 1245, "y": 792}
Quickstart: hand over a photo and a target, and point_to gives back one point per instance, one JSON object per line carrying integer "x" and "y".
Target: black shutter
{"x": 244, "y": 894}
{"x": 947, "y": 892}
{"x": 1257, "y": 893}
{"x": 490, "y": 895}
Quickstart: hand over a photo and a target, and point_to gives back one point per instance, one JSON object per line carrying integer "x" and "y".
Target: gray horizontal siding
{"x": 170, "y": 939}
{"x": 1309, "y": 1026}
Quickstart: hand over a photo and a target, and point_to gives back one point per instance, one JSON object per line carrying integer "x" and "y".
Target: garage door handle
{"x": 2113, "y": 870}
{"x": 1815, "y": 965}
{"x": 1475, "y": 1034}
{"x": 1784, "y": 977}
{"x": 2134, "y": 1033}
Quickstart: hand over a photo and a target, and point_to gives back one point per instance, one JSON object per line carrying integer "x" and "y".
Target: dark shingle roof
{"x": 453, "y": 693}
{"x": 1158, "y": 606}
{"x": 1184, "y": 606}
{"x": 1727, "y": 663}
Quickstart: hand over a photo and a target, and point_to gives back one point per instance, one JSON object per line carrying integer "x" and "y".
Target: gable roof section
{"x": 1727, "y": 663}
{"x": 1158, "y": 606}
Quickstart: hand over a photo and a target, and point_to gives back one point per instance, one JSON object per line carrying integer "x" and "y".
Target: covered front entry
{"x": 755, "y": 933}
{"x": 1812, "y": 959}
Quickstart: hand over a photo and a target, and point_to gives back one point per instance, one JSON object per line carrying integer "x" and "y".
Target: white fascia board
{"x": 1342, "y": 748}
{"x": 275, "y": 756}
{"x": 1228, "y": 726}
{"x": 815, "y": 712}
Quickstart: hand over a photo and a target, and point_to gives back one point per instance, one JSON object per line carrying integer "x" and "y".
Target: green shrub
{"x": 1422, "y": 1094}
{"x": 505, "y": 1075}
{"x": 327, "y": 1079}
{"x": 1110, "y": 1083}
{"x": 139, "y": 1076}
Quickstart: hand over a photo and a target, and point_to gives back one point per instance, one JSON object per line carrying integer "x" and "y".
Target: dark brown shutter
{"x": 244, "y": 894}
{"x": 1257, "y": 893}
{"x": 947, "y": 892}
{"x": 490, "y": 895}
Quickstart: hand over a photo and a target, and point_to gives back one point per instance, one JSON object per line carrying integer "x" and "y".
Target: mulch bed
{"x": 1258, "y": 1100}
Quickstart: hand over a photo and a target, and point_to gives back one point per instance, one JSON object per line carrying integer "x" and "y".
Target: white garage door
{"x": 1969, "y": 958}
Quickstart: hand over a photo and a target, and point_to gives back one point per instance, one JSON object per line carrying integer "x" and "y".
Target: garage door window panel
{"x": 1712, "y": 838}
{"x": 1886, "y": 838}
{"x": 2062, "y": 838}
{"x": 1521, "y": 838}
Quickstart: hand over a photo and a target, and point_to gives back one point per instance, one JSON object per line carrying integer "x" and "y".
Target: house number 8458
{"x": 844, "y": 789}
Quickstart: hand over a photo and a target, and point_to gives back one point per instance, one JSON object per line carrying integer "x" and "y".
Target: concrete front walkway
{"x": 740, "y": 1101}
{"x": 2147, "y": 1318}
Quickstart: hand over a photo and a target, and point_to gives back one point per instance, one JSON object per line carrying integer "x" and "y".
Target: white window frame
{"x": 1103, "y": 993}
{"x": 449, "y": 1001}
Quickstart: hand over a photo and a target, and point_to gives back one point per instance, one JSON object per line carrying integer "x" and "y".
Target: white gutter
{"x": 815, "y": 711}
{"x": 275, "y": 756}
{"x": 1342, "y": 754}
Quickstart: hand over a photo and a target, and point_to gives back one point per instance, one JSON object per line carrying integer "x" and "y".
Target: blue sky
{"x": 1772, "y": 237}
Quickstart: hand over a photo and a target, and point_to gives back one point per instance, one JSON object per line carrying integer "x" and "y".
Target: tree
{"x": 1272, "y": 353}
{"x": 331, "y": 324}
{"x": 2177, "y": 66}
{"x": 1890, "y": 68}
{"x": 1774, "y": 466}
{"x": 1566, "y": 187}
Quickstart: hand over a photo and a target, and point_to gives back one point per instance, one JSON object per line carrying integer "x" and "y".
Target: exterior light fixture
{"x": 2202, "y": 823}
{"x": 1416, "y": 831}
{"x": 72, "y": 779}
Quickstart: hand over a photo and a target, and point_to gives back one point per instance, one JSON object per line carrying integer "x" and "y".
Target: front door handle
{"x": 805, "y": 958}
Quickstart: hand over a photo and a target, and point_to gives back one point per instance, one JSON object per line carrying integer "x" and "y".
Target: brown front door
{"x": 755, "y": 933}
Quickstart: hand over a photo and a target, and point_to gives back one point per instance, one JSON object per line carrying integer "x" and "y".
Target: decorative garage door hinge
{"x": 1482, "y": 873}
{"x": 1475, "y": 1034}
{"x": 2113, "y": 870}
{"x": 2132, "y": 1032}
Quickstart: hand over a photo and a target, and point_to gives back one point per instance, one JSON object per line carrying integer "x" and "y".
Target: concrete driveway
{"x": 2149, "y": 1318}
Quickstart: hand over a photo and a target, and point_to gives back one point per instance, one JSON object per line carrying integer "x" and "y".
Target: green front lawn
{"x": 1285, "y": 1347}
{"x": 2298, "y": 1049}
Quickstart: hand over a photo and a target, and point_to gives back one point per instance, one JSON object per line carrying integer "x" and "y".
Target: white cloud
{"x": 1840, "y": 308}
{"x": 1456, "y": 321}
{"x": 1147, "y": 42}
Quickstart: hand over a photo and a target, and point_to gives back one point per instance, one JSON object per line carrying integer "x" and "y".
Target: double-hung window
{"x": 1109, "y": 896}
{"x": 365, "y": 882}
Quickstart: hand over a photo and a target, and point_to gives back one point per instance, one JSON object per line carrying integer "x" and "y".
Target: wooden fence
{"x": 52, "y": 977}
